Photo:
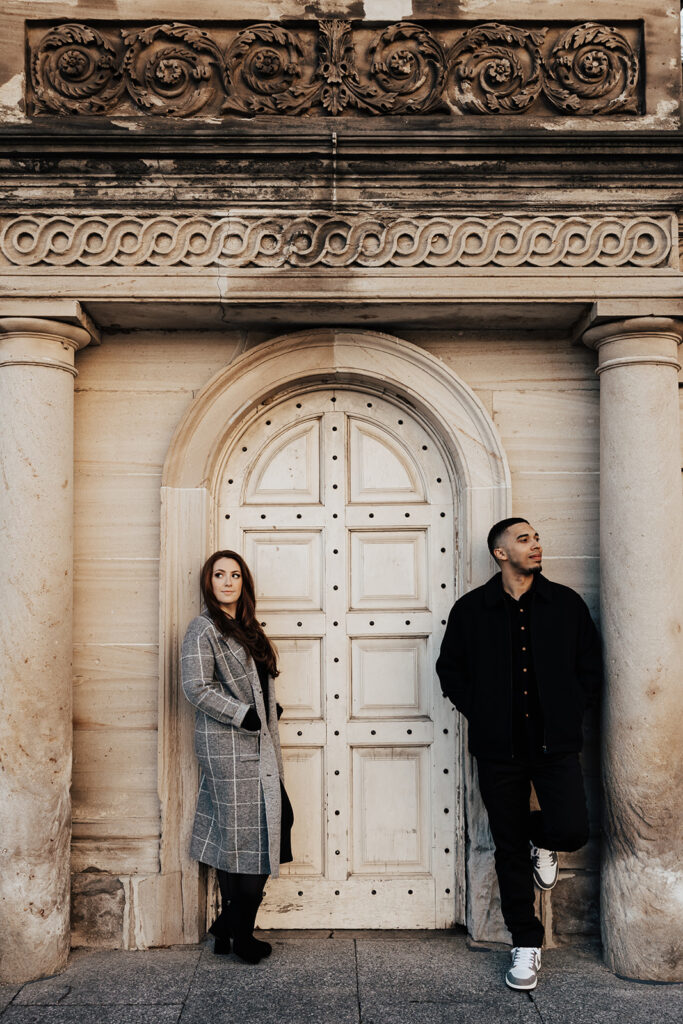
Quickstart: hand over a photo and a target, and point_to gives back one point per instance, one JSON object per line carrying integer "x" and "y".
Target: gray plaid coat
{"x": 237, "y": 821}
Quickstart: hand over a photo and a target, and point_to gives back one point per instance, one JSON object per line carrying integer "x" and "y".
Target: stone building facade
{"x": 338, "y": 284}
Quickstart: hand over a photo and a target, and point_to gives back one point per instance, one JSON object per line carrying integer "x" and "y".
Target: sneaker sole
{"x": 521, "y": 988}
{"x": 543, "y": 886}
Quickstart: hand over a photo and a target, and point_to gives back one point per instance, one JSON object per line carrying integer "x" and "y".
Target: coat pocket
{"x": 248, "y": 746}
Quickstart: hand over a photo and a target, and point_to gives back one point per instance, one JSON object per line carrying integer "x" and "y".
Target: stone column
{"x": 36, "y": 529}
{"x": 641, "y": 589}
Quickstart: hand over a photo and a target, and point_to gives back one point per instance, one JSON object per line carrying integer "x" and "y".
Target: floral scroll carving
{"x": 172, "y": 69}
{"x": 263, "y": 64}
{"x": 592, "y": 70}
{"x": 345, "y": 240}
{"x": 77, "y": 71}
{"x": 496, "y": 69}
{"x": 335, "y": 68}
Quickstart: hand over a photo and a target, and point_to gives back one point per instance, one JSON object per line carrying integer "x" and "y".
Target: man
{"x": 520, "y": 659}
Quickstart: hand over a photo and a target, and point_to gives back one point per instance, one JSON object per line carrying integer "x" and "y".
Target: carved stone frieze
{"x": 341, "y": 240}
{"x": 333, "y": 67}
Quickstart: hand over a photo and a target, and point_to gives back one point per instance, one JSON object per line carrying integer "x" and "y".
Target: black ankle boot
{"x": 221, "y": 926}
{"x": 243, "y": 915}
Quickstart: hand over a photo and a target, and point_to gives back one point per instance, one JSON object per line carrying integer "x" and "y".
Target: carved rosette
{"x": 345, "y": 240}
{"x": 592, "y": 69}
{"x": 496, "y": 69}
{"x": 262, "y": 64}
{"x": 409, "y": 66}
{"x": 76, "y": 71}
{"x": 172, "y": 69}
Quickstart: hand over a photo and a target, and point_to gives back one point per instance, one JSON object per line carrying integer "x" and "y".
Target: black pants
{"x": 561, "y": 824}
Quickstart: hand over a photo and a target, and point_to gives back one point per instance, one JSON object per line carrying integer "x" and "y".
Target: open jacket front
{"x": 475, "y": 666}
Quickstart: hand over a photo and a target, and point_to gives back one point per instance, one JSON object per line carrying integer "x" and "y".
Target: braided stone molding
{"x": 345, "y": 240}
{"x": 333, "y": 67}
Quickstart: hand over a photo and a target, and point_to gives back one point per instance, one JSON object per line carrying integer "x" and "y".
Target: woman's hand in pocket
{"x": 251, "y": 721}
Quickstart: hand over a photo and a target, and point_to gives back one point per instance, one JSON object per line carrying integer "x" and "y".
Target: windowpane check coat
{"x": 237, "y": 821}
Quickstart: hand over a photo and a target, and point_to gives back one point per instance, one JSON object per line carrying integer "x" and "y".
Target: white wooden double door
{"x": 343, "y": 507}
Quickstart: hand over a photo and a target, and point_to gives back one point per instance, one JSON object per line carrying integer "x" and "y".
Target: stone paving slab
{"x": 119, "y": 1014}
{"x": 337, "y": 978}
{"x": 107, "y": 977}
{"x": 434, "y": 980}
{"x": 7, "y": 994}
{"x": 308, "y": 978}
{"x": 401, "y": 970}
{"x": 452, "y": 1013}
{"x": 575, "y": 985}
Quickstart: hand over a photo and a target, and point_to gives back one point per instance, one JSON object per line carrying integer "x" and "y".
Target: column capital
{"x": 39, "y": 342}
{"x": 652, "y": 340}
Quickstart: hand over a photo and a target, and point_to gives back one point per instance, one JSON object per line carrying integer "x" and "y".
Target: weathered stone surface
{"x": 36, "y": 530}
{"x": 335, "y": 67}
{"x": 642, "y": 897}
{"x": 576, "y": 904}
{"x": 108, "y": 978}
{"x": 97, "y": 910}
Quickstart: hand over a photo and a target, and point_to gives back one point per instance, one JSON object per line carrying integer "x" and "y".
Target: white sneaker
{"x": 545, "y": 866}
{"x": 526, "y": 963}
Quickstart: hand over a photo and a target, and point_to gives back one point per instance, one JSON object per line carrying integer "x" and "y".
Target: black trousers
{"x": 561, "y": 824}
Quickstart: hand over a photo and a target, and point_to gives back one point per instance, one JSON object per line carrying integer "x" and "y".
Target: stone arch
{"x": 367, "y": 360}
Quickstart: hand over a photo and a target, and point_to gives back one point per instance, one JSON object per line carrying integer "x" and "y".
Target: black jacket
{"x": 475, "y": 667}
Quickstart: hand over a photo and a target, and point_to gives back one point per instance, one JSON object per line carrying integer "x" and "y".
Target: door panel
{"x": 391, "y": 811}
{"x": 299, "y": 685}
{"x": 305, "y": 775}
{"x": 388, "y": 569}
{"x": 288, "y": 469}
{"x": 388, "y": 677}
{"x": 380, "y": 469}
{"x": 343, "y": 506}
{"x": 287, "y": 568}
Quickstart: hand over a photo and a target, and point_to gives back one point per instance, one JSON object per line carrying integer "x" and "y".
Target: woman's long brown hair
{"x": 245, "y": 628}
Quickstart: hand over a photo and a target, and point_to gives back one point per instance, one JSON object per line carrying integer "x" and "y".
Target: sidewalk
{"x": 337, "y": 978}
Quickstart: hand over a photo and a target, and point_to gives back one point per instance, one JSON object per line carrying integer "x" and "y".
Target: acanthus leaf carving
{"x": 409, "y": 65}
{"x": 171, "y": 68}
{"x": 76, "y": 70}
{"x": 334, "y": 67}
{"x": 263, "y": 62}
{"x": 496, "y": 69}
{"x": 592, "y": 69}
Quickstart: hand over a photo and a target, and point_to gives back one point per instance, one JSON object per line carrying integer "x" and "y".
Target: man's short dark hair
{"x": 498, "y": 529}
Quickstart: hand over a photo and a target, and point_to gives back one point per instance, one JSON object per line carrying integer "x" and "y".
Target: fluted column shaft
{"x": 36, "y": 543}
{"x": 641, "y": 589}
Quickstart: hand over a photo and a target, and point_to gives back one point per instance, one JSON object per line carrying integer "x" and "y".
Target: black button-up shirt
{"x": 527, "y": 716}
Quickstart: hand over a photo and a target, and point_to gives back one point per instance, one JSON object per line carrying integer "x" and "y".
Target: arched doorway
{"x": 342, "y": 502}
{"x": 354, "y": 471}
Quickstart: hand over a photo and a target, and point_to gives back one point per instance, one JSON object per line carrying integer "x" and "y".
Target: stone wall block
{"x": 576, "y": 904}
{"x": 98, "y": 902}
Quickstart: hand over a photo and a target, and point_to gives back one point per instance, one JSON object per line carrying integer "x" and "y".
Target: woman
{"x": 243, "y": 818}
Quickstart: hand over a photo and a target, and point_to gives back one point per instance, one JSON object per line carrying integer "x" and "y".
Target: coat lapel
{"x": 238, "y": 652}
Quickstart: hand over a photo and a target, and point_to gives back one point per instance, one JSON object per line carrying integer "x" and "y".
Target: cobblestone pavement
{"x": 337, "y": 978}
